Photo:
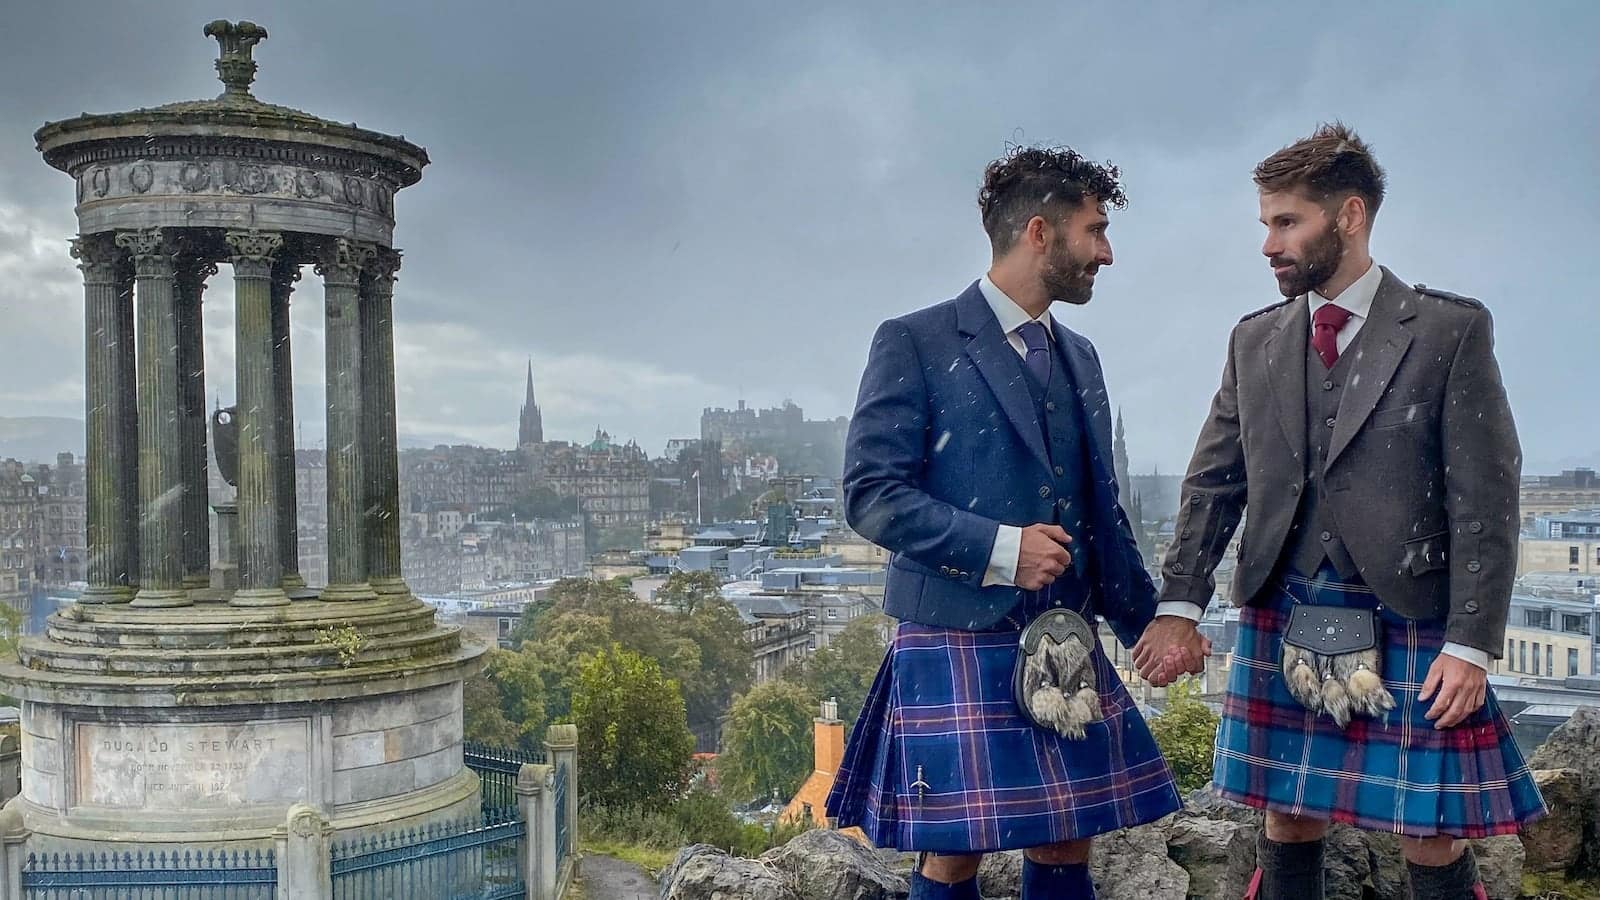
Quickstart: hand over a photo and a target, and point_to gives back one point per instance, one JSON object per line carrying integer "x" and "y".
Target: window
{"x": 1574, "y": 624}
{"x": 1537, "y": 618}
{"x": 1572, "y": 661}
{"x": 1549, "y": 660}
{"x": 1511, "y": 654}
{"x": 1572, "y": 556}
{"x": 1522, "y": 656}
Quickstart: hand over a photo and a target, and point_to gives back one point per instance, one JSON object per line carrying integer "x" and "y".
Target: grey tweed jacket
{"x": 1422, "y": 472}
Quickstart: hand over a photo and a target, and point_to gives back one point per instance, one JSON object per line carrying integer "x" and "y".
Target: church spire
{"x": 530, "y": 427}
{"x": 1119, "y": 455}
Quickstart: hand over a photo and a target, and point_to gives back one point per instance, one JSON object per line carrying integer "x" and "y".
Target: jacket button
{"x": 1475, "y": 527}
{"x": 1474, "y": 566}
{"x": 944, "y": 570}
{"x": 1330, "y": 422}
{"x": 1470, "y": 606}
{"x": 1049, "y": 406}
{"x": 1044, "y": 490}
{"x": 1195, "y": 500}
{"x": 1177, "y": 568}
{"x": 1327, "y": 385}
{"x": 1326, "y": 536}
{"x": 1060, "y": 471}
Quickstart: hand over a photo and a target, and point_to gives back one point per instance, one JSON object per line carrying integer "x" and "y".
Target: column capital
{"x": 98, "y": 257}
{"x": 254, "y": 252}
{"x": 342, "y": 261}
{"x": 383, "y": 269}
{"x": 154, "y": 250}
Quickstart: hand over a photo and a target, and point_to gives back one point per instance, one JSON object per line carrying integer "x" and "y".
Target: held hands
{"x": 1460, "y": 687}
{"x": 1170, "y": 646}
{"x": 1043, "y": 556}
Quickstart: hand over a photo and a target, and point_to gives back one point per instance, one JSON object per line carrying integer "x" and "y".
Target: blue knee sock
{"x": 1066, "y": 882}
{"x": 924, "y": 888}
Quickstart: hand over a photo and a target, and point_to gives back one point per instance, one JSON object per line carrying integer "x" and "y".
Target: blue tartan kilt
{"x": 1398, "y": 774}
{"x": 942, "y": 760}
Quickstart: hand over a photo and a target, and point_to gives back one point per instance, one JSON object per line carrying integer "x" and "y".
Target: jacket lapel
{"x": 1286, "y": 374}
{"x": 1091, "y": 384}
{"x": 1383, "y": 343}
{"x": 1001, "y": 368}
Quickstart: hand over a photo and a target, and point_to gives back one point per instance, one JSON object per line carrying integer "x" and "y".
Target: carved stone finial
{"x": 234, "y": 66}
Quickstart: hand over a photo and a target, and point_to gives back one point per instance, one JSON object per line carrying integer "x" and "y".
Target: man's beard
{"x": 1313, "y": 269}
{"x": 1066, "y": 279}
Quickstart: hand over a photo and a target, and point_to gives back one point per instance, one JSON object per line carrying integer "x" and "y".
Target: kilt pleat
{"x": 1396, "y": 774}
{"x": 941, "y": 711}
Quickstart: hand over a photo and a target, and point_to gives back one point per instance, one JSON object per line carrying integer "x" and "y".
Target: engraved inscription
{"x": 207, "y": 765}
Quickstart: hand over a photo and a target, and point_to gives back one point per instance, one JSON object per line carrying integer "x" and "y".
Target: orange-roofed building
{"x": 810, "y": 802}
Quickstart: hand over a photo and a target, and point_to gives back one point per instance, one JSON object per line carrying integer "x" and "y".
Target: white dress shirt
{"x": 1007, "y": 550}
{"x": 1357, "y": 298}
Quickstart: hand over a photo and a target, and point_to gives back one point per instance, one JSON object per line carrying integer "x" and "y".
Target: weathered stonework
{"x": 147, "y": 725}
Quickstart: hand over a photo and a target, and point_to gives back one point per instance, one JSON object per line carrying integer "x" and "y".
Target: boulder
{"x": 1390, "y": 879}
{"x": 826, "y": 865}
{"x": 1000, "y": 876}
{"x": 702, "y": 872}
{"x": 1218, "y": 854}
{"x": 1500, "y": 866}
{"x": 1554, "y": 842}
{"x": 1346, "y": 863}
{"x": 1133, "y": 865}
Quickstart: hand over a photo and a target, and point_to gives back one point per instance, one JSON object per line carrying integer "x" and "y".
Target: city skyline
{"x": 734, "y": 209}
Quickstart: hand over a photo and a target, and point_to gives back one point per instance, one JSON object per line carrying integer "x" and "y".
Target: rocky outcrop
{"x": 1205, "y": 851}
{"x": 702, "y": 872}
{"x": 828, "y": 864}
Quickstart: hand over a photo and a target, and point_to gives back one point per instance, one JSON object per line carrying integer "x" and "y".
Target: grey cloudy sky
{"x": 666, "y": 205}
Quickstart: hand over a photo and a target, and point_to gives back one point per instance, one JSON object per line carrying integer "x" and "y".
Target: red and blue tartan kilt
{"x": 1398, "y": 774}
{"x": 942, "y": 706}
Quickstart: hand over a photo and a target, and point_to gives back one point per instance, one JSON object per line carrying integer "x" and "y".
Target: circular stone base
{"x": 259, "y": 597}
{"x": 151, "y": 598}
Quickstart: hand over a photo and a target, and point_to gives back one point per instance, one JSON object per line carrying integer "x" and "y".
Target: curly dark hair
{"x": 1041, "y": 181}
{"x": 1331, "y": 164}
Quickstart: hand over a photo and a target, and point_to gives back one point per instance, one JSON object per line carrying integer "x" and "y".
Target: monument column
{"x": 379, "y": 430}
{"x": 161, "y": 486}
{"x": 128, "y": 417}
{"x": 107, "y": 408}
{"x": 341, "y": 266}
{"x": 284, "y": 275}
{"x": 260, "y": 567}
{"x": 192, "y": 275}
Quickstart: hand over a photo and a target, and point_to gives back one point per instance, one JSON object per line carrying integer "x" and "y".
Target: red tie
{"x": 1325, "y": 325}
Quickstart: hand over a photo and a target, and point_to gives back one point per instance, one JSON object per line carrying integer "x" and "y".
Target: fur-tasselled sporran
{"x": 1055, "y": 680}
{"x": 1331, "y": 662}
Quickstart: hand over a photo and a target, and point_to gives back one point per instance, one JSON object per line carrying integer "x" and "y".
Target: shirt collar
{"x": 1011, "y": 315}
{"x": 1357, "y": 298}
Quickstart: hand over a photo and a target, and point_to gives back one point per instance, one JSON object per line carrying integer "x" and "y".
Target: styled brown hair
{"x": 1041, "y": 181}
{"x": 1330, "y": 165}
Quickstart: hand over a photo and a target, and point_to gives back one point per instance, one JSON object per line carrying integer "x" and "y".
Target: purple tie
{"x": 1038, "y": 344}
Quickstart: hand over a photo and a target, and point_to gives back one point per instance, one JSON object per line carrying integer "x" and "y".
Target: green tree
{"x": 844, "y": 669}
{"x": 687, "y": 591}
{"x": 633, "y": 738}
{"x": 1186, "y": 732}
{"x": 768, "y": 742}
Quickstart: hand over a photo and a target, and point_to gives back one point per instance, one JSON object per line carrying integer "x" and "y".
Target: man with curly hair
{"x": 1363, "y": 423}
{"x": 980, "y": 456}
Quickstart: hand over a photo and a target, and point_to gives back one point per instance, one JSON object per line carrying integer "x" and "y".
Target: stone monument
{"x": 170, "y": 706}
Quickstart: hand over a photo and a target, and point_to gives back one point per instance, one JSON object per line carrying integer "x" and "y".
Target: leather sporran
{"x": 1054, "y": 678}
{"x": 1332, "y": 661}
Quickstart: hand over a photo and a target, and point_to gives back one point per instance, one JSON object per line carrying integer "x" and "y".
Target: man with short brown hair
{"x": 1363, "y": 423}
